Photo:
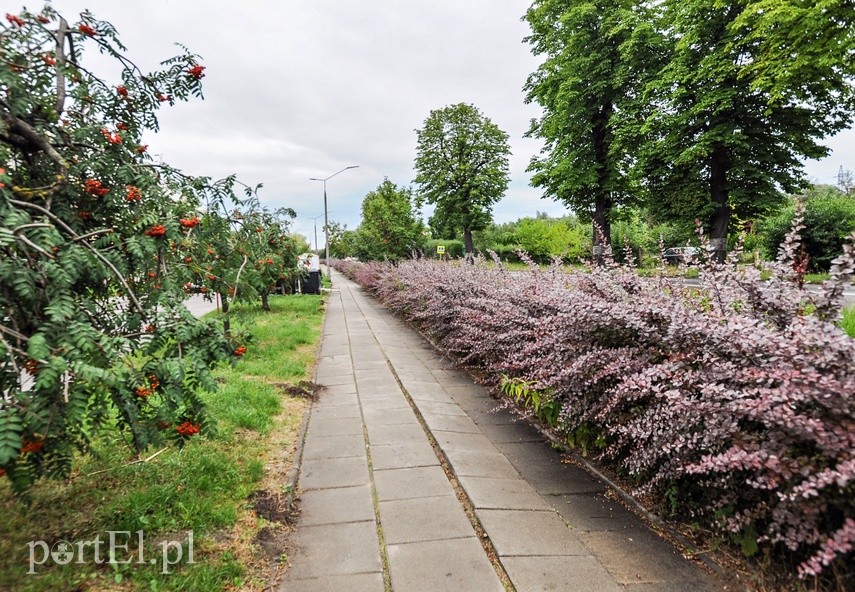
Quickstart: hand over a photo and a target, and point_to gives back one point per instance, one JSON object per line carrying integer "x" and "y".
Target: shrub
{"x": 453, "y": 248}
{"x": 828, "y": 218}
{"x": 731, "y": 394}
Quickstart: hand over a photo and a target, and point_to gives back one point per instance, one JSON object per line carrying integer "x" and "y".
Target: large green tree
{"x": 749, "y": 91}
{"x": 389, "y": 227}
{"x": 596, "y": 58}
{"x": 462, "y": 168}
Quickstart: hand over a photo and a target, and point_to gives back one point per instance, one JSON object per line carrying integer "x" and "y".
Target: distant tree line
{"x": 658, "y": 112}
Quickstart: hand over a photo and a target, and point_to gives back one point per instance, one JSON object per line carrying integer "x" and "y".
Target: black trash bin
{"x": 311, "y": 284}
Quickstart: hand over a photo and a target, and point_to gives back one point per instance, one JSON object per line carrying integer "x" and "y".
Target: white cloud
{"x": 299, "y": 89}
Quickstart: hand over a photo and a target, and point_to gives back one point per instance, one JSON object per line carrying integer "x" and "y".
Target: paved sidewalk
{"x": 381, "y": 512}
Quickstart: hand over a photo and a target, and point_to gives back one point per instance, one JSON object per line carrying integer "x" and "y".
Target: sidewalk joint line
{"x": 467, "y": 505}
{"x": 375, "y": 501}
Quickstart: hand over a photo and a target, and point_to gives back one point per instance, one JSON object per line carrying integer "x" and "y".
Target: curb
{"x": 677, "y": 538}
{"x": 297, "y": 463}
{"x": 294, "y": 475}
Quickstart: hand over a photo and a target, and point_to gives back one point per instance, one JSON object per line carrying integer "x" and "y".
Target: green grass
{"x": 201, "y": 487}
{"x": 847, "y": 323}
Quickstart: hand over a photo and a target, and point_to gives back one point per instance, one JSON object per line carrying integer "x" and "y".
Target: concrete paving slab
{"x": 375, "y": 417}
{"x": 343, "y": 377}
{"x": 365, "y": 582}
{"x": 345, "y": 426}
{"x": 559, "y": 574}
{"x": 439, "y": 407}
{"x": 492, "y": 415}
{"x": 335, "y": 549}
{"x": 395, "y": 401}
{"x": 373, "y": 391}
{"x": 411, "y": 483}
{"x": 333, "y": 472}
{"x": 437, "y": 395}
{"x": 452, "y": 378}
{"x": 337, "y": 400}
{"x": 502, "y": 494}
{"x": 464, "y": 441}
{"x": 395, "y": 434}
{"x": 337, "y": 389}
{"x": 542, "y": 467}
{"x": 515, "y": 432}
{"x": 403, "y": 455}
{"x": 336, "y": 412}
{"x": 523, "y": 532}
{"x": 627, "y": 556}
{"x": 350, "y": 445}
{"x": 701, "y": 585}
{"x": 594, "y": 512}
{"x": 442, "y": 566}
{"x": 341, "y": 359}
{"x": 452, "y": 423}
{"x": 334, "y": 366}
{"x": 481, "y": 464}
{"x": 424, "y": 519}
{"x": 332, "y": 350}
{"x": 335, "y": 506}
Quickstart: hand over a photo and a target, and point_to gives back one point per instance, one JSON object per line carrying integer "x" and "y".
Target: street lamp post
{"x": 326, "y": 220}
{"x": 315, "y": 222}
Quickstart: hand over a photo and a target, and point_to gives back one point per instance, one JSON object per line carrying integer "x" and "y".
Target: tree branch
{"x": 76, "y": 237}
{"x": 60, "y": 35}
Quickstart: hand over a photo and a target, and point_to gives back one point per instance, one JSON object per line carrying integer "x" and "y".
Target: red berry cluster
{"x": 95, "y": 187}
{"x": 187, "y": 429}
{"x": 196, "y": 71}
{"x": 132, "y": 193}
{"x": 15, "y": 20}
{"x": 32, "y": 446}
{"x": 112, "y": 138}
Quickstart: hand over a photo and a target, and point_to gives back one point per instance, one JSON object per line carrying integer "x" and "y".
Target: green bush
{"x": 829, "y": 217}
{"x": 541, "y": 237}
{"x": 453, "y": 248}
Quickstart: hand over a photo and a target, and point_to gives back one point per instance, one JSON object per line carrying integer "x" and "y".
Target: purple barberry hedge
{"x": 732, "y": 399}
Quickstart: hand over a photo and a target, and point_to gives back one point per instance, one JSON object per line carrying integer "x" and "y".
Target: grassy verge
{"x": 847, "y": 323}
{"x": 219, "y": 497}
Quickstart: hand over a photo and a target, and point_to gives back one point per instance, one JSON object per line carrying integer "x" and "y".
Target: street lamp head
{"x": 355, "y": 166}
{"x": 326, "y": 213}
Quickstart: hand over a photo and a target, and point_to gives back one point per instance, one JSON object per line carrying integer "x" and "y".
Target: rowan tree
{"x": 93, "y": 330}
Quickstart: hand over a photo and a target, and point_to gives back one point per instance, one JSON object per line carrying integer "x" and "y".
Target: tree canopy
{"x": 596, "y": 57}
{"x": 99, "y": 245}
{"x": 389, "y": 228}
{"x": 736, "y": 112}
{"x": 699, "y": 108}
{"x": 462, "y": 169}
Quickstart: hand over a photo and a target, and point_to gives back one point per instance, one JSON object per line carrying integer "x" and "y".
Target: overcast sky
{"x": 300, "y": 89}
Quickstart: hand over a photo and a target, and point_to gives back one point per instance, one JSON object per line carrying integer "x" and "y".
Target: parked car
{"x": 676, "y": 255}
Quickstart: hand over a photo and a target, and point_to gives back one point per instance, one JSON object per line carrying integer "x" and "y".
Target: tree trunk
{"x": 227, "y": 327}
{"x": 265, "y": 304}
{"x": 602, "y": 226}
{"x": 468, "y": 245}
{"x": 603, "y": 202}
{"x": 719, "y": 193}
